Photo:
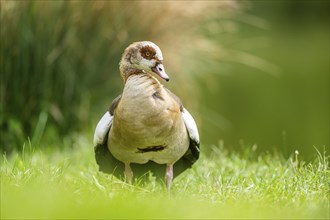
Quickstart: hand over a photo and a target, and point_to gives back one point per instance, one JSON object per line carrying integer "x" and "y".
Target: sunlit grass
{"x": 66, "y": 184}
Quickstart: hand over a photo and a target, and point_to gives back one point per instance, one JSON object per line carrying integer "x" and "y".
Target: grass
{"x": 53, "y": 184}
{"x": 68, "y": 70}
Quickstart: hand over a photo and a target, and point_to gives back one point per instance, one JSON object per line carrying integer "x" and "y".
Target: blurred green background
{"x": 252, "y": 73}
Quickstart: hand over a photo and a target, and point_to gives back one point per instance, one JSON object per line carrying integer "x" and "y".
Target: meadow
{"x": 254, "y": 74}
{"x": 66, "y": 184}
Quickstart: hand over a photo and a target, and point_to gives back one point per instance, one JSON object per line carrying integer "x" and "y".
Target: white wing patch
{"x": 190, "y": 125}
{"x": 102, "y": 128}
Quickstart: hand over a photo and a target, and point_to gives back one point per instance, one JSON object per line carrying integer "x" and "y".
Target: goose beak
{"x": 160, "y": 71}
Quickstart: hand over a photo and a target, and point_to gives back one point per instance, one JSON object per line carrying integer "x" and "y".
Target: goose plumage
{"x": 146, "y": 128}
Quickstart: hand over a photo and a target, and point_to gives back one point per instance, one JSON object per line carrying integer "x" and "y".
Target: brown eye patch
{"x": 148, "y": 52}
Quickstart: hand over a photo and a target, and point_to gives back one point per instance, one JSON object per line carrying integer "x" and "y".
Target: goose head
{"x": 142, "y": 57}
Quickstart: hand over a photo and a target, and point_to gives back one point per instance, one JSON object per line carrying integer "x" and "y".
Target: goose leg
{"x": 128, "y": 173}
{"x": 169, "y": 176}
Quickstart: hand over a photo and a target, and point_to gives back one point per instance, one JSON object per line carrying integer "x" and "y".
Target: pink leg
{"x": 128, "y": 173}
{"x": 169, "y": 176}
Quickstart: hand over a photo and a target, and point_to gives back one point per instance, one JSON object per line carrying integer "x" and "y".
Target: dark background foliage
{"x": 250, "y": 72}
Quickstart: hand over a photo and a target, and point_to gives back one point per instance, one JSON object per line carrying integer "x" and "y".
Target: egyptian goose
{"x": 146, "y": 128}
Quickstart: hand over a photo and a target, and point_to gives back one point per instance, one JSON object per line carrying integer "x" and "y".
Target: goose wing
{"x": 192, "y": 154}
{"x": 106, "y": 162}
